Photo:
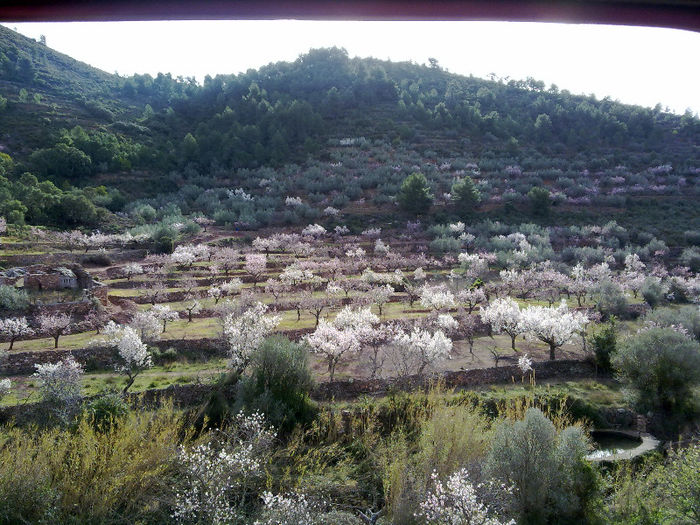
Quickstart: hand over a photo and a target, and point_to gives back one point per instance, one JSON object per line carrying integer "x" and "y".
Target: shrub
{"x": 604, "y": 344}
{"x": 279, "y": 384}
{"x": 13, "y": 299}
{"x": 106, "y": 410}
{"x": 686, "y": 316}
{"x": 611, "y": 300}
{"x": 540, "y": 200}
{"x": 665, "y": 492}
{"x": 661, "y": 366}
{"x": 653, "y": 291}
{"x": 84, "y": 475}
{"x": 548, "y": 471}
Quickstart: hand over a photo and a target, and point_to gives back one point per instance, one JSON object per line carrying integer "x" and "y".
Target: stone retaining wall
{"x": 193, "y": 394}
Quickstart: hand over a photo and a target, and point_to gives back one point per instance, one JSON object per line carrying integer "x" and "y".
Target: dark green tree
{"x": 466, "y": 196}
{"x": 414, "y": 196}
{"x": 540, "y": 200}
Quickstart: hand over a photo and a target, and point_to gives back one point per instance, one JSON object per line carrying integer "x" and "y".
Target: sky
{"x": 634, "y": 65}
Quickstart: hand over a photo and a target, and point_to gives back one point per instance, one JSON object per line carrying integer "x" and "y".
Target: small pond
{"x": 612, "y": 445}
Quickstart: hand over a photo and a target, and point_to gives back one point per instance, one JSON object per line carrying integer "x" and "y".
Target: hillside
{"x": 332, "y": 130}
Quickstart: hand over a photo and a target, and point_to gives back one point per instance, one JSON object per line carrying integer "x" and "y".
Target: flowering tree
{"x": 54, "y": 325}
{"x": 155, "y": 292}
{"x": 219, "y": 476}
{"x": 184, "y": 255}
{"x": 504, "y": 316}
{"x": 255, "y": 266}
{"x": 457, "y": 503}
{"x": 554, "y": 326}
{"x": 192, "y": 306}
{"x": 380, "y": 248}
{"x": 59, "y": 384}
{"x": 13, "y": 328}
{"x": 472, "y": 297}
{"x": 475, "y": 266}
{"x": 227, "y": 258}
{"x": 133, "y": 353}
{"x": 314, "y": 230}
{"x": 415, "y": 350}
{"x": 380, "y": 295}
{"x": 333, "y": 343}
{"x": 436, "y": 298}
{"x": 245, "y": 333}
{"x": 132, "y": 269}
{"x": 147, "y": 324}
{"x": 163, "y": 313}
{"x": 293, "y": 275}
{"x": 96, "y": 319}
{"x": 5, "y": 386}
{"x": 3, "y": 225}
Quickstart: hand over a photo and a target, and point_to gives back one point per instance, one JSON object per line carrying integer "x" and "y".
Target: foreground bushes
{"x": 90, "y": 474}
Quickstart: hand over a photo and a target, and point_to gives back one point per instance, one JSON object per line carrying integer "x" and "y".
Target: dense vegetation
{"x": 338, "y": 131}
{"x": 192, "y": 278}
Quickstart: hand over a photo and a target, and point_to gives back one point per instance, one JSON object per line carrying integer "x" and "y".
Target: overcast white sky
{"x": 632, "y": 64}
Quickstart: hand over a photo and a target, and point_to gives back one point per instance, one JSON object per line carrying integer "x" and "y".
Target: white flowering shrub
{"x": 59, "y": 384}
{"x": 132, "y": 269}
{"x": 5, "y": 387}
{"x": 456, "y": 503}
{"x": 245, "y": 333}
{"x": 133, "y": 353}
{"x": 219, "y": 476}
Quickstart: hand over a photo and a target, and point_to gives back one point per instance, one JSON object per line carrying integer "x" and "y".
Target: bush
{"x": 550, "y": 476}
{"x": 661, "y": 366}
{"x": 97, "y": 259}
{"x": 604, "y": 343}
{"x": 686, "y": 316}
{"x": 278, "y": 385}
{"x": 12, "y": 298}
{"x": 84, "y": 475}
{"x": 540, "y": 200}
{"x": 653, "y": 291}
{"x": 611, "y": 300}
{"x": 106, "y": 410}
{"x": 665, "y": 492}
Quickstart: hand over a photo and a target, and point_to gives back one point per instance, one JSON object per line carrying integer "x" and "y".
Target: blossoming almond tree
{"x": 133, "y": 353}
{"x": 436, "y": 298}
{"x": 456, "y": 503}
{"x": 13, "y": 328}
{"x": 147, "y": 324}
{"x": 554, "y": 326}
{"x": 54, "y": 325}
{"x": 245, "y": 333}
{"x": 504, "y": 315}
{"x": 416, "y": 350}
{"x": 163, "y": 313}
{"x": 60, "y": 384}
{"x": 255, "y": 266}
{"x": 333, "y": 343}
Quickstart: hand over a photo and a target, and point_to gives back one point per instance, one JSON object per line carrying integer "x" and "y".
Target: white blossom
{"x": 457, "y": 503}
{"x": 59, "y": 384}
{"x": 436, "y": 298}
{"x": 13, "y": 328}
{"x": 133, "y": 353}
{"x": 418, "y": 349}
{"x": 554, "y": 326}
{"x": 5, "y": 386}
{"x": 246, "y": 332}
{"x": 504, "y": 316}
{"x": 314, "y": 230}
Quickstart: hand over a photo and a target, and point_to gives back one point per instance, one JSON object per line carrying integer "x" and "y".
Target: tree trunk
{"x": 552, "y": 349}
{"x": 164, "y": 321}
{"x": 128, "y": 384}
{"x": 12, "y": 342}
{"x": 55, "y": 339}
{"x": 512, "y": 342}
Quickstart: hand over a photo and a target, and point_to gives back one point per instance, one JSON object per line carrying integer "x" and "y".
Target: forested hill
{"x": 76, "y": 126}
